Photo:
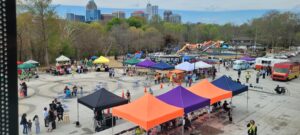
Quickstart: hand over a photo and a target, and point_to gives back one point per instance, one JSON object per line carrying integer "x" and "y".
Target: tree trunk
{"x": 20, "y": 47}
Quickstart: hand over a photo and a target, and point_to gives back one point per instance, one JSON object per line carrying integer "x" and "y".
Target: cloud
{"x": 198, "y": 5}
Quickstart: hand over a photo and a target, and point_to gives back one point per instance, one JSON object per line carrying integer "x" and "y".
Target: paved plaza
{"x": 274, "y": 114}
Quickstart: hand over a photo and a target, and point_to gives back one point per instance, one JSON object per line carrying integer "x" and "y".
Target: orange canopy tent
{"x": 147, "y": 112}
{"x": 210, "y": 91}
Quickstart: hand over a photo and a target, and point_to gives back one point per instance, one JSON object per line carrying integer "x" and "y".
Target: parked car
{"x": 240, "y": 64}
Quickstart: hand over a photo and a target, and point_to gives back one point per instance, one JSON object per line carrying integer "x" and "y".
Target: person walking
{"x": 214, "y": 72}
{"x": 239, "y": 73}
{"x": 252, "y": 129}
{"x": 46, "y": 117}
{"x": 51, "y": 120}
{"x": 186, "y": 79}
{"x": 190, "y": 82}
{"x": 37, "y": 124}
{"x": 257, "y": 76}
{"x": 24, "y": 123}
{"x": 269, "y": 70}
{"x": 248, "y": 76}
{"x": 264, "y": 73}
{"x": 171, "y": 80}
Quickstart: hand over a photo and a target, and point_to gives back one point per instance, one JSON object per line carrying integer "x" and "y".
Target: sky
{"x": 193, "y": 5}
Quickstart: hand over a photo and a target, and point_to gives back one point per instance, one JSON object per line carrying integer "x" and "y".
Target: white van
{"x": 264, "y": 62}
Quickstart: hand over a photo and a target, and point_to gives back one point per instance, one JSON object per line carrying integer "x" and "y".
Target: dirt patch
{"x": 87, "y": 131}
{"x": 73, "y": 132}
{"x": 207, "y": 130}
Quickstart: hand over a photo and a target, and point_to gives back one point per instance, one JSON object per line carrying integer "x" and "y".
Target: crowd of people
{"x": 54, "y": 112}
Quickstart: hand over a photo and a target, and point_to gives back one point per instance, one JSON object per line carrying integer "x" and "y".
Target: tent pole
{"x": 112, "y": 124}
{"x": 208, "y": 112}
{"x": 183, "y": 122}
{"x": 247, "y": 101}
{"x": 77, "y": 111}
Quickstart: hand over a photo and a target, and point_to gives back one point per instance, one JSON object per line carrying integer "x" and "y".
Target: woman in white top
{"x": 37, "y": 124}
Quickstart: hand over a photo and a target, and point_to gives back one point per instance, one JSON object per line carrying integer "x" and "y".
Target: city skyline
{"x": 93, "y": 13}
{"x": 192, "y": 5}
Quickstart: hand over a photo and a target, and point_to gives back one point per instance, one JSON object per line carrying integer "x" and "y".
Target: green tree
{"x": 42, "y": 11}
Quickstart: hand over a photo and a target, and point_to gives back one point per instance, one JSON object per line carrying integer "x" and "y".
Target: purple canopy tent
{"x": 247, "y": 58}
{"x": 185, "y": 99}
{"x": 146, "y": 63}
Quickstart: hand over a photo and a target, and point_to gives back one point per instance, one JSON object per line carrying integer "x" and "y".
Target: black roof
{"x": 102, "y": 99}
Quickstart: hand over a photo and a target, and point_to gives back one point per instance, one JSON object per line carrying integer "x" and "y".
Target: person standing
{"x": 239, "y": 73}
{"x": 269, "y": 70}
{"x": 186, "y": 79}
{"x": 214, "y": 72}
{"x": 264, "y": 73}
{"x": 238, "y": 81}
{"x": 252, "y": 129}
{"x": 29, "y": 124}
{"x": 190, "y": 81}
{"x": 128, "y": 95}
{"x": 24, "y": 123}
{"x": 74, "y": 92}
{"x": 257, "y": 76}
{"x": 51, "y": 120}
{"x": 24, "y": 87}
{"x": 46, "y": 117}
{"x": 37, "y": 124}
{"x": 248, "y": 76}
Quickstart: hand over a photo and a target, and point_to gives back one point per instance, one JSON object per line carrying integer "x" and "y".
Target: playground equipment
{"x": 202, "y": 46}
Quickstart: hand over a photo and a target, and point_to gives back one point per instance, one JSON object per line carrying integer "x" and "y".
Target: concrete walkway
{"x": 274, "y": 114}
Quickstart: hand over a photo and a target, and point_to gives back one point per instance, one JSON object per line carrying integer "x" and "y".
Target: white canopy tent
{"x": 31, "y": 62}
{"x": 63, "y": 58}
{"x": 185, "y": 66}
{"x": 201, "y": 64}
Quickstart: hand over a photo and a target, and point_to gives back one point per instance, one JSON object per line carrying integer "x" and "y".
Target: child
{"x": 29, "y": 124}
{"x": 37, "y": 124}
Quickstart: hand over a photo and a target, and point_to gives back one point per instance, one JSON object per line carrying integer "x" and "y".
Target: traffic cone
{"x": 145, "y": 90}
{"x": 123, "y": 96}
{"x": 161, "y": 86}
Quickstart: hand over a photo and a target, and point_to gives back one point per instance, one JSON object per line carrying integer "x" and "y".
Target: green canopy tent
{"x": 26, "y": 66}
{"x": 132, "y": 61}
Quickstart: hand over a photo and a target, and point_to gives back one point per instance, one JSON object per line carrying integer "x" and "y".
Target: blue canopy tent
{"x": 186, "y": 58}
{"x": 228, "y": 84}
{"x": 162, "y": 66}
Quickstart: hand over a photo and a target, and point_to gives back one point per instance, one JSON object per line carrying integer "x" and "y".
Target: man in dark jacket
{"x": 60, "y": 112}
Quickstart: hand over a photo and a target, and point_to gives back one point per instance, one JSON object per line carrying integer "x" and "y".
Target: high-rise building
{"x": 119, "y": 14}
{"x": 92, "y": 13}
{"x": 151, "y": 10}
{"x": 79, "y": 18}
{"x": 167, "y": 15}
{"x": 73, "y": 17}
{"x": 139, "y": 14}
{"x": 106, "y": 17}
{"x": 175, "y": 18}
{"x": 70, "y": 16}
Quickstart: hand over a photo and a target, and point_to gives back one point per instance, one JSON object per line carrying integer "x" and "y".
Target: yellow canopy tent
{"x": 101, "y": 60}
